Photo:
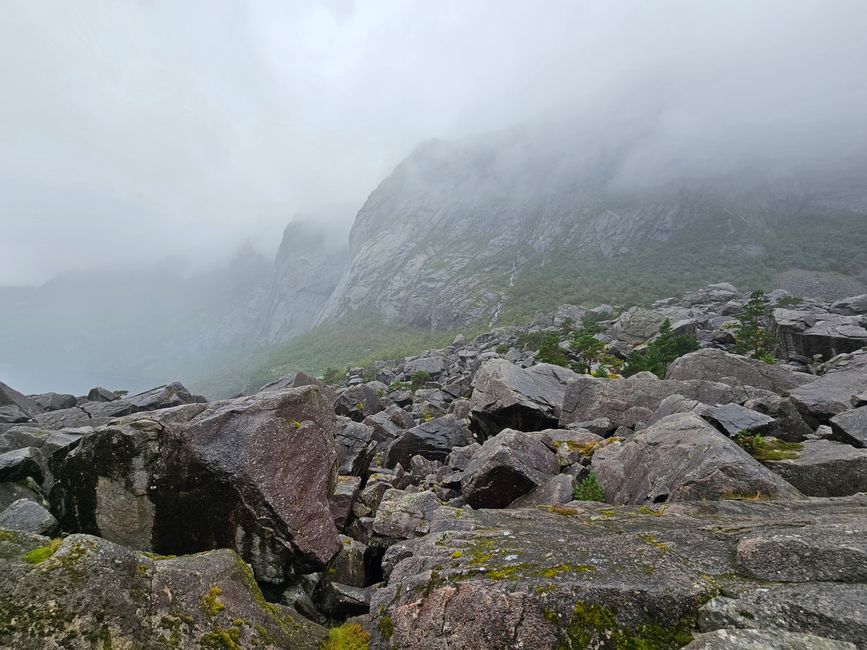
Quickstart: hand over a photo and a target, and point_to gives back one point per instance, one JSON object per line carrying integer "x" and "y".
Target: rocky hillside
{"x": 495, "y": 228}
{"x": 489, "y": 494}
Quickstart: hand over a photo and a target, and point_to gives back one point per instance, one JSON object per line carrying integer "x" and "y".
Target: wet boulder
{"x": 851, "y": 427}
{"x": 28, "y": 516}
{"x": 86, "y": 592}
{"x": 625, "y": 402}
{"x": 358, "y": 401}
{"x": 711, "y": 364}
{"x": 732, "y": 419}
{"x": 506, "y": 467}
{"x": 836, "y": 390}
{"x": 433, "y": 440}
{"x": 803, "y": 334}
{"x": 54, "y": 401}
{"x": 356, "y": 446}
{"x": 594, "y": 576}
{"x": 253, "y": 474}
{"x": 825, "y": 468}
{"x": 681, "y": 458}
{"x": 508, "y": 396}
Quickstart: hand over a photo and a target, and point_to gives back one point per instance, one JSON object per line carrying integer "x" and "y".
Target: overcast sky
{"x": 131, "y": 131}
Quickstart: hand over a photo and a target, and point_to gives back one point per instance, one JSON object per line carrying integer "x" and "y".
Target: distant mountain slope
{"x": 137, "y": 329}
{"x": 494, "y": 228}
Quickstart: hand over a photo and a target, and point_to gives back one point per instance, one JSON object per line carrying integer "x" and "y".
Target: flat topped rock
{"x": 590, "y": 574}
{"x": 711, "y": 364}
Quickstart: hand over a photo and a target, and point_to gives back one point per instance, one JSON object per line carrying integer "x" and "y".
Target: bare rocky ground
{"x": 469, "y": 497}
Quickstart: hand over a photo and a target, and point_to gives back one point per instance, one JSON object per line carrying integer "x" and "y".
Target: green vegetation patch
{"x": 347, "y": 637}
{"x": 42, "y": 553}
{"x": 589, "y": 489}
{"x": 766, "y": 448}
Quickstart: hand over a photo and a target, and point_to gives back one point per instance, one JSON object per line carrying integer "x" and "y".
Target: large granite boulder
{"x": 802, "y": 334}
{"x": 851, "y": 306}
{"x": 506, "y": 467}
{"x": 749, "y": 639}
{"x": 825, "y": 468}
{"x": 54, "y": 401}
{"x": 15, "y": 407}
{"x": 851, "y": 427}
{"x": 27, "y": 516}
{"x": 356, "y": 446}
{"x": 732, "y": 419}
{"x": 638, "y": 324}
{"x": 433, "y": 440}
{"x": 86, "y": 592}
{"x": 625, "y": 402}
{"x": 711, "y": 364}
{"x": 508, "y": 396}
{"x": 681, "y": 458}
{"x": 253, "y": 474}
{"x": 595, "y": 576}
{"x": 357, "y": 402}
{"x": 836, "y": 390}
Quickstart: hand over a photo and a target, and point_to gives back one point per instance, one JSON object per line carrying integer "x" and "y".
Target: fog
{"x": 133, "y": 132}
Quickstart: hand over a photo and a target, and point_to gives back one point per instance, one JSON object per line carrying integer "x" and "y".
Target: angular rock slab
{"x": 588, "y": 576}
{"x": 508, "y": 396}
{"x": 88, "y": 592}
{"x": 735, "y": 639}
{"x": 825, "y": 469}
{"x": 253, "y": 474}
{"x": 506, "y": 467}
{"x": 433, "y": 440}
{"x": 836, "y": 390}
{"x": 851, "y": 427}
{"x": 711, "y": 364}
{"x": 626, "y": 401}
{"x": 683, "y": 458}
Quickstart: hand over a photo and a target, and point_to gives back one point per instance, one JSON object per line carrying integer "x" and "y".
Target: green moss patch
{"x": 42, "y": 553}
{"x": 347, "y": 637}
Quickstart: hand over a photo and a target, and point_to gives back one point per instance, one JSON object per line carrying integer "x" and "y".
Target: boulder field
{"x": 470, "y": 497}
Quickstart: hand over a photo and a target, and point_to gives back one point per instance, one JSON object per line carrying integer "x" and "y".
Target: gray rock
{"x": 340, "y": 601}
{"x": 54, "y": 401}
{"x": 626, "y": 401}
{"x": 91, "y": 592}
{"x": 833, "y": 392}
{"x": 851, "y": 427}
{"x": 733, "y": 418}
{"x": 711, "y": 364}
{"x": 433, "y": 440}
{"x": 507, "y": 396}
{"x": 342, "y": 499}
{"x": 506, "y": 467}
{"x": 355, "y": 446}
{"x": 557, "y": 490}
{"x": 17, "y": 403}
{"x": 639, "y": 324}
{"x": 357, "y": 402}
{"x": 12, "y": 492}
{"x": 831, "y": 553}
{"x": 100, "y": 394}
{"x": 64, "y": 419}
{"x": 432, "y": 365}
{"x": 588, "y": 575}
{"x": 851, "y": 306}
{"x": 682, "y": 457}
{"x": 735, "y": 639}
{"x": 804, "y": 334}
{"x": 825, "y": 469}
{"x": 253, "y": 474}
{"x": 678, "y": 404}
{"x": 403, "y": 515}
{"x": 349, "y": 566}
{"x": 788, "y": 423}
{"x": 832, "y": 610}
{"x": 292, "y": 380}
{"x": 28, "y": 516}
{"x": 20, "y": 464}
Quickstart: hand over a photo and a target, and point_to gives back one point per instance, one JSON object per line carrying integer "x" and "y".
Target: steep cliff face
{"x": 464, "y": 233}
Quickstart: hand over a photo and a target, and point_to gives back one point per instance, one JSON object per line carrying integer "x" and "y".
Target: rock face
{"x": 505, "y": 395}
{"x": 253, "y": 474}
{"x": 28, "y": 516}
{"x": 87, "y": 592}
{"x": 825, "y": 469}
{"x": 506, "y": 467}
{"x": 681, "y": 457}
{"x": 603, "y": 577}
{"x": 711, "y": 364}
